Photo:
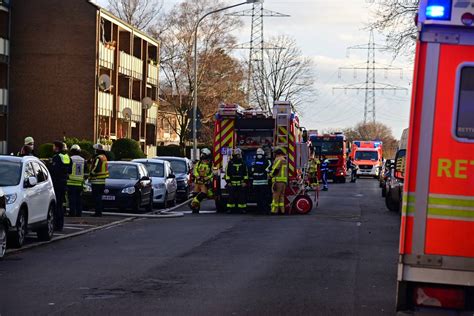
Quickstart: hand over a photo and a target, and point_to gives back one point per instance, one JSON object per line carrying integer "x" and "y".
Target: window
{"x": 465, "y": 113}
{"x": 155, "y": 170}
{"x": 123, "y": 172}
{"x": 366, "y": 155}
{"x": 10, "y": 173}
{"x": 40, "y": 175}
{"x": 29, "y": 171}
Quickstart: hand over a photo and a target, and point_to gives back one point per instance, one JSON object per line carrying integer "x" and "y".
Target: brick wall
{"x": 53, "y": 64}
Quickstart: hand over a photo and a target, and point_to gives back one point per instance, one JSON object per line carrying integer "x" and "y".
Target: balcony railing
{"x": 152, "y": 115}
{"x": 4, "y": 47}
{"x": 106, "y": 56}
{"x": 152, "y": 74}
{"x": 131, "y": 66}
{"x": 135, "y": 106}
{"x": 105, "y": 104}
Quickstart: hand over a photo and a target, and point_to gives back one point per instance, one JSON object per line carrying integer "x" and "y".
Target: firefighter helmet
{"x": 278, "y": 151}
{"x": 260, "y": 152}
{"x": 205, "y": 153}
{"x": 237, "y": 152}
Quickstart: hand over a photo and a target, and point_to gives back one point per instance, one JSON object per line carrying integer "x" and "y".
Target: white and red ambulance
{"x": 436, "y": 265}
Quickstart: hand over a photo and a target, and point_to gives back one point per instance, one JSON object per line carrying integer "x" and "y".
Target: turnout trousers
{"x": 278, "y": 198}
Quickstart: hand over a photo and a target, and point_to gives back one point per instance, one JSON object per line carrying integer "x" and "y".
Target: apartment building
{"x": 78, "y": 71}
{"x": 4, "y": 72}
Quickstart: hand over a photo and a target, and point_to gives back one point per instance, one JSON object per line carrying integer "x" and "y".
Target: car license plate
{"x": 108, "y": 197}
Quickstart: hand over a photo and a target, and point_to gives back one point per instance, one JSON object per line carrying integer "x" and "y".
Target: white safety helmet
{"x": 205, "y": 151}
{"x": 76, "y": 147}
{"x": 237, "y": 152}
{"x": 260, "y": 152}
{"x": 98, "y": 147}
{"x": 29, "y": 140}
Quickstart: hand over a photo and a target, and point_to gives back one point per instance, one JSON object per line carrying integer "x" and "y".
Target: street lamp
{"x": 195, "y": 97}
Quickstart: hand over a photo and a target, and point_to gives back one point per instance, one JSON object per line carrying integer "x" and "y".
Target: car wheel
{"x": 136, "y": 205}
{"x": 391, "y": 205}
{"x": 45, "y": 233}
{"x": 173, "y": 201}
{"x": 18, "y": 237}
{"x": 3, "y": 240}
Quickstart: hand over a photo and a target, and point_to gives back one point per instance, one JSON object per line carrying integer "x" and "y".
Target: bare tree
{"x": 288, "y": 75}
{"x": 374, "y": 131}
{"x": 139, "y": 13}
{"x": 396, "y": 19}
{"x": 219, "y": 77}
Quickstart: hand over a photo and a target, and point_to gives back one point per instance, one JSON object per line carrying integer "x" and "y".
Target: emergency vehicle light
{"x": 439, "y": 9}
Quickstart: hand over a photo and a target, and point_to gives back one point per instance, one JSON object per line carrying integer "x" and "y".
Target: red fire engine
{"x": 251, "y": 129}
{"x": 436, "y": 267}
{"x": 334, "y": 148}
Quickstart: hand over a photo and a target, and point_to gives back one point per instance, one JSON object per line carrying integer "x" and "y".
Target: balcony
{"x": 4, "y": 47}
{"x": 152, "y": 74}
{"x": 152, "y": 115}
{"x": 105, "y": 104}
{"x": 131, "y": 66}
{"x": 106, "y": 56}
{"x": 135, "y": 106}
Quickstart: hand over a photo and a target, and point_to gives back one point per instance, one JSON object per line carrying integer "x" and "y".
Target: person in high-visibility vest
{"x": 202, "y": 177}
{"x": 59, "y": 174}
{"x": 75, "y": 181}
{"x": 325, "y": 171}
{"x": 313, "y": 171}
{"x": 259, "y": 178}
{"x": 236, "y": 176}
{"x": 279, "y": 175}
{"x": 99, "y": 173}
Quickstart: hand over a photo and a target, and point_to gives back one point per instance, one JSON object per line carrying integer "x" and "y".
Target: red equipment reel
{"x": 302, "y": 204}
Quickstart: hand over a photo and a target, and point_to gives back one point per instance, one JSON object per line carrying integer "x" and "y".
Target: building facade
{"x": 78, "y": 71}
{"x": 4, "y": 72}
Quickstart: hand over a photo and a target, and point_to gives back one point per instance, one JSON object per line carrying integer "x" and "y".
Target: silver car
{"x": 163, "y": 180}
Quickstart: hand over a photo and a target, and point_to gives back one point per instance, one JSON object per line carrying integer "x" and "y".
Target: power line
{"x": 370, "y": 86}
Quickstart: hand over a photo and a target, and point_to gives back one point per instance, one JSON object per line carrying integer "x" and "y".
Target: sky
{"x": 324, "y": 29}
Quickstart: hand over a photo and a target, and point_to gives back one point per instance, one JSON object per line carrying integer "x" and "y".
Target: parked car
{"x": 385, "y": 174}
{"x": 394, "y": 195}
{"x": 30, "y": 198}
{"x": 183, "y": 169}
{"x": 3, "y": 224}
{"x": 128, "y": 187}
{"x": 163, "y": 180}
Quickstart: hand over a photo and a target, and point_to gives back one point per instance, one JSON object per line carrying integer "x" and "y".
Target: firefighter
{"x": 325, "y": 171}
{"x": 202, "y": 176}
{"x": 59, "y": 174}
{"x": 279, "y": 177}
{"x": 98, "y": 175}
{"x": 259, "y": 175}
{"x": 236, "y": 176}
{"x": 75, "y": 181}
{"x": 313, "y": 170}
{"x": 353, "y": 167}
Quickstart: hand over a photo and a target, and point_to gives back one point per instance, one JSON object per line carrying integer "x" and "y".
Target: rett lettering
{"x": 458, "y": 169}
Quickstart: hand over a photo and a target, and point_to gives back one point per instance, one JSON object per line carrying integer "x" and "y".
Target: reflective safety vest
{"x": 202, "y": 173}
{"x": 325, "y": 165}
{"x": 279, "y": 171}
{"x": 76, "y": 176}
{"x": 260, "y": 170}
{"x": 236, "y": 172}
{"x": 313, "y": 166}
{"x": 99, "y": 170}
{"x": 65, "y": 159}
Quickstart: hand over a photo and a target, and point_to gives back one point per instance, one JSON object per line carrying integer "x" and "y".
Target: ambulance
{"x": 368, "y": 156}
{"x": 236, "y": 127}
{"x": 436, "y": 262}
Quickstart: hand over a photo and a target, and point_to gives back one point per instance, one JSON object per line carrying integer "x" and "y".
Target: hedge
{"x": 127, "y": 149}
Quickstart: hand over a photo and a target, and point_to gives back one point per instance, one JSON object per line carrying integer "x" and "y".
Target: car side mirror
{"x": 31, "y": 182}
{"x": 172, "y": 176}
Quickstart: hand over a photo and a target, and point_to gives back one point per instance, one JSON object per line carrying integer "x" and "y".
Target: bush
{"x": 110, "y": 156}
{"x": 171, "y": 150}
{"x": 127, "y": 149}
{"x": 45, "y": 151}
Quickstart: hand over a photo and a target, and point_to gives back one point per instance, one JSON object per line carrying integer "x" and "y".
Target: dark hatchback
{"x": 128, "y": 187}
{"x": 182, "y": 168}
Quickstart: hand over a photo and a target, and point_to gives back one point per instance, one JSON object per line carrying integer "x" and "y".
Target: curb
{"x": 168, "y": 213}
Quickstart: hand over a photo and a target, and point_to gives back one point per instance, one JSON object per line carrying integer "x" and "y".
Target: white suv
{"x": 30, "y": 198}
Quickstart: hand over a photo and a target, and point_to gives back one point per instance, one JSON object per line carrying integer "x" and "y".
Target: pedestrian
{"x": 259, "y": 177}
{"x": 325, "y": 171}
{"x": 28, "y": 148}
{"x": 353, "y": 166}
{"x": 75, "y": 181}
{"x": 236, "y": 176}
{"x": 279, "y": 175}
{"x": 59, "y": 174}
{"x": 99, "y": 173}
{"x": 202, "y": 177}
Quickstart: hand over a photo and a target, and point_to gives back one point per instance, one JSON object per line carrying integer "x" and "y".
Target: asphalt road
{"x": 340, "y": 260}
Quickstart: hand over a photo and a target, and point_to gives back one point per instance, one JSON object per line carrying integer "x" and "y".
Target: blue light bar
{"x": 439, "y": 10}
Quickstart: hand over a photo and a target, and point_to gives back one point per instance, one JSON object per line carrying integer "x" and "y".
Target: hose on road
{"x": 167, "y": 213}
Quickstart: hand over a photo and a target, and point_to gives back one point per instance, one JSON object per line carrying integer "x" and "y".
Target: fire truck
{"x": 251, "y": 129}
{"x": 436, "y": 263}
{"x": 367, "y": 155}
{"x": 334, "y": 147}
